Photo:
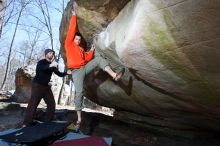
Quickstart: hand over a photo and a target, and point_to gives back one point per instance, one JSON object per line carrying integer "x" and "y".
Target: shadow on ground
{"x": 96, "y": 124}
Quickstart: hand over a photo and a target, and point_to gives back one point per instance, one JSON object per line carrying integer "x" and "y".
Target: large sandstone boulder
{"x": 93, "y": 15}
{"x": 171, "y": 52}
{"x": 23, "y": 83}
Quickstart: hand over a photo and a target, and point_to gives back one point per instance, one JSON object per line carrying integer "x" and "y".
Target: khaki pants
{"x": 78, "y": 76}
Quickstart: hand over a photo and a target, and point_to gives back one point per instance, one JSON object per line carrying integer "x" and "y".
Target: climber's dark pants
{"x": 37, "y": 93}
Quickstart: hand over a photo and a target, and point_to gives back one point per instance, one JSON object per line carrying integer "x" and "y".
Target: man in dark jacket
{"x": 41, "y": 89}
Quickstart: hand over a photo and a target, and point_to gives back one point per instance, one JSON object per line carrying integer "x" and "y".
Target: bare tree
{"x": 1, "y": 54}
{"x": 33, "y": 38}
{"x": 60, "y": 6}
{"x": 7, "y": 13}
{"x": 61, "y": 10}
{"x": 24, "y": 51}
{"x": 14, "y": 63}
{"x": 23, "y": 4}
{"x": 43, "y": 7}
{"x": 2, "y": 11}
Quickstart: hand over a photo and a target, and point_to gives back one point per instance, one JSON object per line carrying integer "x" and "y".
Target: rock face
{"x": 23, "y": 83}
{"x": 11, "y": 115}
{"x": 93, "y": 15}
{"x": 171, "y": 52}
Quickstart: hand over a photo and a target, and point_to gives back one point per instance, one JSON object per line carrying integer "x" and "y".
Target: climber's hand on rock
{"x": 73, "y": 13}
{"x": 93, "y": 47}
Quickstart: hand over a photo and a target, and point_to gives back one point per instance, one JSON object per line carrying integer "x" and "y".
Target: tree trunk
{"x": 10, "y": 49}
{"x": 61, "y": 90}
{"x": 2, "y": 11}
{"x": 30, "y": 57}
{"x": 71, "y": 97}
{"x": 47, "y": 20}
{"x": 58, "y": 58}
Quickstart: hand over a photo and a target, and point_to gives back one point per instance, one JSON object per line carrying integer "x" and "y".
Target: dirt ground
{"x": 98, "y": 124}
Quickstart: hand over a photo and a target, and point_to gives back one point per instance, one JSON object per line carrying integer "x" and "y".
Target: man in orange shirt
{"x": 81, "y": 63}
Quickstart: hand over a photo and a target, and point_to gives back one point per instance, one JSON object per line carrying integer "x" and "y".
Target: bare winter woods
{"x": 27, "y": 27}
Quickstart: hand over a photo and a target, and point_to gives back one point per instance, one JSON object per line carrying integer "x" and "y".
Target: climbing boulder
{"x": 171, "y": 53}
{"x": 23, "y": 83}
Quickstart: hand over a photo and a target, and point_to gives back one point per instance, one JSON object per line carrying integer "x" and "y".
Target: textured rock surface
{"x": 93, "y": 15}
{"x": 171, "y": 51}
{"x": 11, "y": 115}
{"x": 23, "y": 83}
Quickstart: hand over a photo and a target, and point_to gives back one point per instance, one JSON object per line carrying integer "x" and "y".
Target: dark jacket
{"x": 44, "y": 72}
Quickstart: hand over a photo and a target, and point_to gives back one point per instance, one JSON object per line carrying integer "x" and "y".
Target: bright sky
{"x": 29, "y": 20}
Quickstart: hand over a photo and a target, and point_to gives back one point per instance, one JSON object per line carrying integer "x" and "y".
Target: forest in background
{"x": 27, "y": 28}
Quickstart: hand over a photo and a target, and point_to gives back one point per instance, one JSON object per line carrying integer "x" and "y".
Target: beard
{"x": 50, "y": 58}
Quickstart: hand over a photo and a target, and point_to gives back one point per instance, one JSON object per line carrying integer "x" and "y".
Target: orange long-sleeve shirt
{"x": 76, "y": 55}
